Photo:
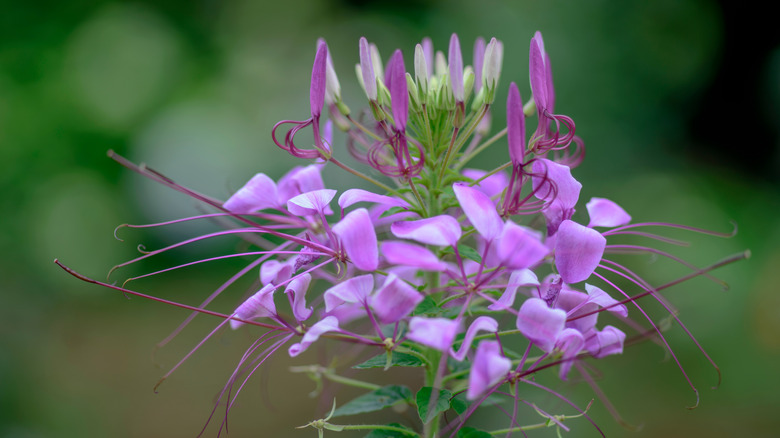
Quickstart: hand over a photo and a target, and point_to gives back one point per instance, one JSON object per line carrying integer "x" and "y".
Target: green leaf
{"x": 398, "y": 360}
{"x": 469, "y": 253}
{"x": 440, "y": 404}
{"x": 379, "y": 433}
{"x": 375, "y": 400}
{"x": 459, "y": 404}
{"x": 426, "y": 307}
{"x": 470, "y": 432}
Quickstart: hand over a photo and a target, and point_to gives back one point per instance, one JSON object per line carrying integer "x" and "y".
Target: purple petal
{"x": 539, "y": 323}
{"x": 606, "y": 342}
{"x": 489, "y": 368}
{"x": 598, "y": 296}
{"x": 399, "y": 93}
{"x": 347, "y": 312}
{"x": 479, "y": 60}
{"x": 515, "y": 125}
{"x": 395, "y": 300}
{"x": 538, "y": 73}
{"x": 257, "y": 194}
{"x": 358, "y": 238}
{"x": 605, "y": 213}
{"x": 455, "y": 60}
{"x": 311, "y": 203}
{"x": 440, "y": 230}
{"x": 479, "y": 209}
{"x": 481, "y": 324}
{"x": 353, "y": 196}
{"x": 366, "y": 66}
{"x": 492, "y": 186}
{"x": 298, "y": 287}
{"x": 408, "y": 254}
{"x": 318, "y": 80}
{"x": 259, "y": 305}
{"x": 570, "y": 342}
{"x": 553, "y": 183}
{"x": 578, "y": 250}
{"x": 569, "y": 299}
{"x": 275, "y": 272}
{"x": 520, "y": 248}
{"x": 354, "y": 290}
{"x": 522, "y": 277}
{"x": 299, "y": 180}
{"x": 327, "y": 324}
{"x": 438, "y": 333}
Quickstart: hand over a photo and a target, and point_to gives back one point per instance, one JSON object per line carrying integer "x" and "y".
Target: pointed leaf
{"x": 380, "y": 433}
{"x": 397, "y": 360}
{"x": 437, "y": 406}
{"x": 375, "y": 400}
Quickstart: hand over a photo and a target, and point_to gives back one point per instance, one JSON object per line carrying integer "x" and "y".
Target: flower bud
{"x": 421, "y": 69}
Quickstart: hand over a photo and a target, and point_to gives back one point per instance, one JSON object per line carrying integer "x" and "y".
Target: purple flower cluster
{"x": 482, "y": 278}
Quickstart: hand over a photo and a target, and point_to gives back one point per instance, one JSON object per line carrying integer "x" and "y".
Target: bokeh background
{"x": 677, "y": 100}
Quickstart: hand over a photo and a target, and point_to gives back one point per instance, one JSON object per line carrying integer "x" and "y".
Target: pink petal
{"x": 358, "y": 238}
{"x": 570, "y": 342}
{"x": 259, "y": 305}
{"x": 455, "y": 60}
{"x": 311, "y": 203}
{"x": 479, "y": 209}
{"x": 539, "y": 323}
{"x": 367, "y": 69}
{"x": 564, "y": 190}
{"x": 578, "y": 250}
{"x": 353, "y": 196}
{"x": 300, "y": 180}
{"x": 327, "y": 324}
{"x": 409, "y": 254}
{"x": 569, "y": 299}
{"x": 440, "y": 230}
{"x": 489, "y": 368}
{"x": 354, "y": 290}
{"x": 318, "y": 78}
{"x": 606, "y": 342}
{"x": 520, "y": 248}
{"x": 438, "y": 333}
{"x": 399, "y": 94}
{"x": 274, "y": 271}
{"x": 298, "y": 287}
{"x": 538, "y": 73}
{"x": 605, "y": 213}
{"x": 395, "y": 300}
{"x": 522, "y": 277}
{"x": 484, "y": 324}
{"x": 598, "y": 296}
{"x": 492, "y": 185}
{"x": 257, "y": 194}
{"x": 515, "y": 125}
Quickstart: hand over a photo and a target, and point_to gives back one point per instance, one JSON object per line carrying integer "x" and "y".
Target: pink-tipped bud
{"x": 455, "y": 60}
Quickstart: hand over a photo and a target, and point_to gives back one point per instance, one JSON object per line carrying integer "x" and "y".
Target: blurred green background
{"x": 677, "y": 102}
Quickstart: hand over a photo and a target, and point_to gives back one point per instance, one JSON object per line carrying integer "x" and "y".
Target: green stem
{"x": 480, "y": 148}
{"x": 365, "y": 177}
{"x": 350, "y": 382}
